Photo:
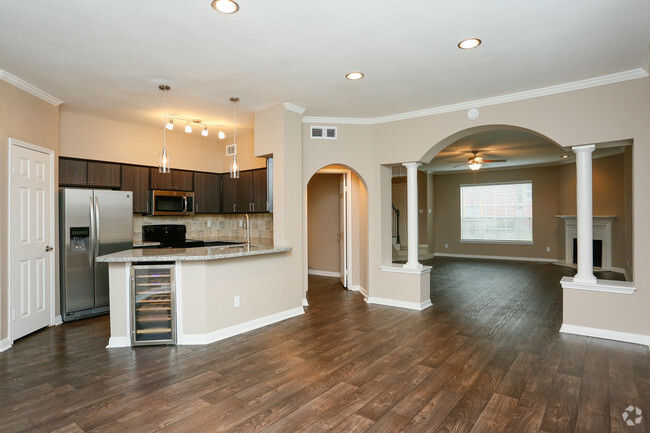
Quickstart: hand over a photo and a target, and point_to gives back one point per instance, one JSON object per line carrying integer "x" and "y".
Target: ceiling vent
{"x": 324, "y": 132}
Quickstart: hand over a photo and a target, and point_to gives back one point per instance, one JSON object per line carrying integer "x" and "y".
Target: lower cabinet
{"x": 153, "y": 304}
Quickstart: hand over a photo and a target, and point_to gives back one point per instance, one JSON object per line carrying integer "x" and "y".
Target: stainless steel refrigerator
{"x": 92, "y": 223}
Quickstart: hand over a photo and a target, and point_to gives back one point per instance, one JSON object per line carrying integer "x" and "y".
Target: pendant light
{"x": 163, "y": 163}
{"x": 234, "y": 165}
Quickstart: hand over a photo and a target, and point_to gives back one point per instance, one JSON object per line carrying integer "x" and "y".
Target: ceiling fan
{"x": 475, "y": 162}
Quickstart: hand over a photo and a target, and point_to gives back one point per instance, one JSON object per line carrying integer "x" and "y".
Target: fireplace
{"x": 602, "y": 236}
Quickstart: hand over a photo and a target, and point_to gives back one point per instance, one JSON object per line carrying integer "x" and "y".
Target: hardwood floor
{"x": 487, "y": 357}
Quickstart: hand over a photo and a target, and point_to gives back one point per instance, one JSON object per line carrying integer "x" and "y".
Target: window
{"x": 501, "y": 212}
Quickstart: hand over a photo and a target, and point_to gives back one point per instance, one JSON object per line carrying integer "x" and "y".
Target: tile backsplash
{"x": 221, "y": 226}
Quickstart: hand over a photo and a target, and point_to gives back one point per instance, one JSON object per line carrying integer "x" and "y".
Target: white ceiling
{"x": 107, "y": 58}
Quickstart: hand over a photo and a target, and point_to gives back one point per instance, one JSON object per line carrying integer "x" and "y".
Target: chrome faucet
{"x": 247, "y": 235}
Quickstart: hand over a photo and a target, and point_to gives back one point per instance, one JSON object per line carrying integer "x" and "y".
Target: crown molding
{"x": 512, "y": 97}
{"x": 29, "y": 88}
{"x": 295, "y": 108}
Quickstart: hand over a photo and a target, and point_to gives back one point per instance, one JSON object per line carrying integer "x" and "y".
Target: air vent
{"x": 231, "y": 150}
{"x": 324, "y": 132}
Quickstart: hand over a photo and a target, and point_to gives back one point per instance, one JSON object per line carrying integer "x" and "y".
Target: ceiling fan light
{"x": 475, "y": 165}
{"x": 225, "y": 6}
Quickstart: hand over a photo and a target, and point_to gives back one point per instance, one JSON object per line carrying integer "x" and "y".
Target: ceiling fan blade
{"x": 459, "y": 165}
{"x": 457, "y": 161}
{"x": 495, "y": 160}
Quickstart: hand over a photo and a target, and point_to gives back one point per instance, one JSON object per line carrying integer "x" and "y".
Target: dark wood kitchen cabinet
{"x": 136, "y": 178}
{"x": 207, "y": 192}
{"x": 229, "y": 193}
{"x": 75, "y": 172}
{"x": 179, "y": 180}
{"x": 260, "y": 191}
{"x": 246, "y": 194}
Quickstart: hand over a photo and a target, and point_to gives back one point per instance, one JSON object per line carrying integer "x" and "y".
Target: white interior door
{"x": 343, "y": 212}
{"x": 32, "y": 239}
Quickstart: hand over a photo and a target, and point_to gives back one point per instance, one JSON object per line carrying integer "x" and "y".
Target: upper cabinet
{"x": 207, "y": 193}
{"x": 75, "y": 172}
{"x": 246, "y": 194}
{"x": 213, "y": 193}
{"x": 179, "y": 180}
{"x": 136, "y": 178}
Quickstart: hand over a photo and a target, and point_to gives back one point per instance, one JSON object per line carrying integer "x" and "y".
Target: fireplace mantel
{"x": 602, "y": 230}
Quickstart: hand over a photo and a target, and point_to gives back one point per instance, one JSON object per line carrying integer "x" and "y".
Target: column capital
{"x": 584, "y": 148}
{"x": 412, "y": 164}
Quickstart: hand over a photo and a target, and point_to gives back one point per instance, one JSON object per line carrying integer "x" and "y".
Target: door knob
{"x": 48, "y": 249}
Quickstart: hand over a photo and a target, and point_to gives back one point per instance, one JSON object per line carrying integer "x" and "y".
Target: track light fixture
{"x": 188, "y": 128}
{"x": 204, "y": 131}
{"x": 170, "y": 124}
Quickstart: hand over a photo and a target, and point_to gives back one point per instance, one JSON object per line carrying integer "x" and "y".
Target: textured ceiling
{"x": 107, "y": 58}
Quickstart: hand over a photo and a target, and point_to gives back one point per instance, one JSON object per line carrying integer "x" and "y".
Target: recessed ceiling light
{"x": 225, "y": 6}
{"x": 354, "y": 76}
{"x": 565, "y": 156}
{"x": 470, "y": 43}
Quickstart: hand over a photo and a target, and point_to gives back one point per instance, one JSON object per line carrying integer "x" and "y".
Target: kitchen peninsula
{"x": 217, "y": 292}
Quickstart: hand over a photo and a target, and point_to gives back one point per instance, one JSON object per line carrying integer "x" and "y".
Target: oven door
{"x": 172, "y": 202}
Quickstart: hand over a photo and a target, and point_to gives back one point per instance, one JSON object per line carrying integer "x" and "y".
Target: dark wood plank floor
{"x": 487, "y": 357}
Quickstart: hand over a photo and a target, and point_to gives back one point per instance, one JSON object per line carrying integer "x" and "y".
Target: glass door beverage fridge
{"x": 153, "y": 304}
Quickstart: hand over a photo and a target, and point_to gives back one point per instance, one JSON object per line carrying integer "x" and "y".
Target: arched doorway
{"x": 337, "y": 226}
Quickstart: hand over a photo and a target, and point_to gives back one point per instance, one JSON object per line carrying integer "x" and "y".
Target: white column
{"x": 412, "y": 210}
{"x": 584, "y": 212}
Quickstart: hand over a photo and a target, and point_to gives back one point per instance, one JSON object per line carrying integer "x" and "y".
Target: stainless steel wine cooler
{"x": 153, "y": 304}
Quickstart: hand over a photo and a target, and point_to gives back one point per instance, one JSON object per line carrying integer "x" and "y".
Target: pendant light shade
{"x": 163, "y": 162}
{"x": 234, "y": 164}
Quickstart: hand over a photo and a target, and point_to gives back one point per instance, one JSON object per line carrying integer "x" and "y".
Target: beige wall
{"x": 595, "y": 115}
{"x": 323, "y": 209}
{"x": 29, "y": 119}
{"x": 89, "y": 137}
{"x": 447, "y": 216}
{"x": 609, "y": 194}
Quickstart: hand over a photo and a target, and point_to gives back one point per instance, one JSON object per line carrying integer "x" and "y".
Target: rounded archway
{"x": 337, "y": 226}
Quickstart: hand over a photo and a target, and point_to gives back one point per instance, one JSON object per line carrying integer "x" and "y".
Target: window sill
{"x": 495, "y": 242}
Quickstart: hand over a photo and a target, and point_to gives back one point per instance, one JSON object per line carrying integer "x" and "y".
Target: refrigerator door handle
{"x": 97, "y": 238}
{"x": 92, "y": 238}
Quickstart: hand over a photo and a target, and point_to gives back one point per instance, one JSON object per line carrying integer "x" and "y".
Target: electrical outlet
{"x": 420, "y": 211}
{"x": 446, "y": 245}
{"x": 209, "y": 223}
{"x": 241, "y": 223}
{"x": 430, "y": 210}
{"x": 236, "y": 301}
{"x": 548, "y": 249}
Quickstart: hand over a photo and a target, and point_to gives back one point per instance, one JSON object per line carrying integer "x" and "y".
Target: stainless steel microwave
{"x": 171, "y": 202}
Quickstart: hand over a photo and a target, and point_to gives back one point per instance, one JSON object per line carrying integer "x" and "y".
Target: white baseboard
{"x": 115, "y": 342}
{"x": 606, "y": 334}
{"x": 305, "y": 303}
{"x": 5, "y": 344}
{"x": 360, "y": 289}
{"x": 400, "y": 304}
{"x": 221, "y": 334}
{"x": 324, "y": 273}
{"x": 518, "y": 259}
{"x": 57, "y": 320}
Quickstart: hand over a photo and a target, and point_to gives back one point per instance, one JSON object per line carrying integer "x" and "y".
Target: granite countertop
{"x": 257, "y": 247}
{"x": 146, "y": 244}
